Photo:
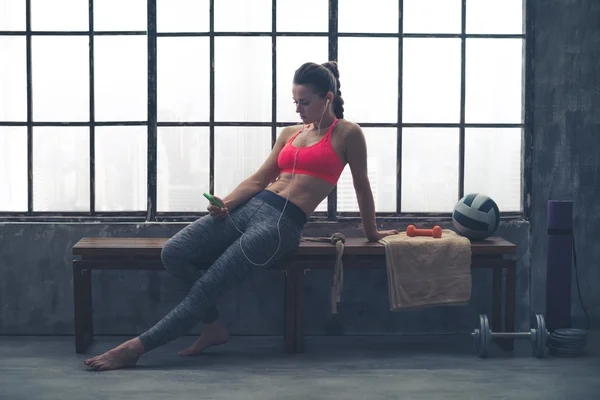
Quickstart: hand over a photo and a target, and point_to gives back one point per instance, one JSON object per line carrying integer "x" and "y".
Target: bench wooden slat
{"x": 151, "y": 247}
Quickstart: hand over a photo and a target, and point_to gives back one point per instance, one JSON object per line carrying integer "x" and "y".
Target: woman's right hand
{"x": 215, "y": 211}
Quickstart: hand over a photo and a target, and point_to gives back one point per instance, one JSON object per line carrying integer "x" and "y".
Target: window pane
{"x": 495, "y": 16}
{"x": 60, "y": 78}
{"x": 239, "y": 152}
{"x": 61, "y": 169}
{"x": 121, "y": 168}
{"x": 121, "y": 78}
{"x": 292, "y": 52}
{"x": 183, "y": 81}
{"x": 431, "y": 80}
{"x": 494, "y": 69}
{"x": 182, "y": 15}
{"x": 243, "y": 79}
{"x": 303, "y": 16}
{"x": 243, "y": 15}
{"x": 12, "y": 15}
{"x": 368, "y": 16}
{"x": 432, "y": 16}
{"x": 119, "y": 15}
{"x": 183, "y": 167}
{"x": 59, "y": 15}
{"x": 381, "y": 166}
{"x": 13, "y": 168}
{"x": 429, "y": 169}
{"x": 369, "y": 83}
{"x": 493, "y": 165}
{"x": 13, "y": 79}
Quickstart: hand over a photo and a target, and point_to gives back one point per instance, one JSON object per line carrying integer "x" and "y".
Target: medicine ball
{"x": 476, "y": 216}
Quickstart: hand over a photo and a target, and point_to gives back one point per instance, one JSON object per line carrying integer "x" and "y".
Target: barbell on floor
{"x": 537, "y": 335}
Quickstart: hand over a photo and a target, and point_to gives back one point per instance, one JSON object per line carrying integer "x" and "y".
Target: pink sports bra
{"x": 318, "y": 160}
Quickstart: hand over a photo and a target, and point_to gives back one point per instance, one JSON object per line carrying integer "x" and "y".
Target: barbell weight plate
{"x": 540, "y": 336}
{"x": 484, "y": 336}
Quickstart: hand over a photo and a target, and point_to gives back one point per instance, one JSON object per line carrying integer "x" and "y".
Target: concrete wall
{"x": 37, "y": 296}
{"x": 566, "y": 143}
{"x": 35, "y": 259}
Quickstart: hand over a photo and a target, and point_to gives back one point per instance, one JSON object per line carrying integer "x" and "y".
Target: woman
{"x": 262, "y": 220}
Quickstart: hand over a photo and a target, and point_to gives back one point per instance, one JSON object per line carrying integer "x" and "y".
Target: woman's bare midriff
{"x": 305, "y": 191}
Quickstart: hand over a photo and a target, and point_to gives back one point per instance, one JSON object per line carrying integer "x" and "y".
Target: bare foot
{"x": 214, "y": 334}
{"x": 122, "y": 356}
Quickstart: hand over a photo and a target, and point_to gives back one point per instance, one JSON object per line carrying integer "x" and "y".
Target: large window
{"x": 133, "y": 109}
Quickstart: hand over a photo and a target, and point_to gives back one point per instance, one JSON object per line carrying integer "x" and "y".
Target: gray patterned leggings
{"x": 216, "y": 244}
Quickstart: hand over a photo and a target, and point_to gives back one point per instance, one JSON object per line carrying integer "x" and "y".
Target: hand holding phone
{"x": 216, "y": 208}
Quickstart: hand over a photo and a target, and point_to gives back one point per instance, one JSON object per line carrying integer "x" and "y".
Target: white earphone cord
{"x": 284, "y": 206}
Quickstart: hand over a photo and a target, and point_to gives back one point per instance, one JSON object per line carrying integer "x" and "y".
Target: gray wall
{"x": 35, "y": 270}
{"x": 566, "y": 143}
{"x": 37, "y": 296}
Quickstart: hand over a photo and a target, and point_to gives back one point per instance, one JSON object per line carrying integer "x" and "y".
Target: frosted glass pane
{"x": 431, "y": 80}
{"x": 432, "y": 16}
{"x": 12, "y": 15}
{"x": 60, "y": 78}
{"x": 495, "y": 16}
{"x": 368, "y": 16}
{"x": 121, "y": 78}
{"x": 292, "y": 52}
{"x": 61, "y": 168}
{"x": 243, "y": 79}
{"x": 239, "y": 152}
{"x": 381, "y": 170}
{"x": 303, "y": 16}
{"x": 59, "y": 15}
{"x": 243, "y": 15}
{"x": 494, "y": 69}
{"x": 429, "y": 169}
{"x": 183, "y": 168}
{"x": 121, "y": 168}
{"x": 182, "y": 15}
{"x": 369, "y": 83}
{"x": 493, "y": 165}
{"x": 119, "y": 15}
{"x": 13, "y": 168}
{"x": 13, "y": 79}
{"x": 183, "y": 82}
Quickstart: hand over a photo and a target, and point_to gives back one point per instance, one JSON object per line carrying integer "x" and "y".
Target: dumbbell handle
{"x": 510, "y": 335}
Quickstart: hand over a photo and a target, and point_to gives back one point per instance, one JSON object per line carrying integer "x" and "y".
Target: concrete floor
{"x": 332, "y": 368}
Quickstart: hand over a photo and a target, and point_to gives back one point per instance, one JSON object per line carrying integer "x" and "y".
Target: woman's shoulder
{"x": 348, "y": 128}
{"x": 289, "y": 131}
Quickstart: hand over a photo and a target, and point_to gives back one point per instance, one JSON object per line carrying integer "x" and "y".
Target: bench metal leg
{"x": 82, "y": 296}
{"x": 508, "y": 321}
{"x": 289, "y": 316}
{"x": 511, "y": 293}
{"x": 294, "y": 312}
{"x": 299, "y": 279}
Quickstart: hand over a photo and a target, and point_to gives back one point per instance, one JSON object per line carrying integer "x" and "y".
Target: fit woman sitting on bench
{"x": 261, "y": 221}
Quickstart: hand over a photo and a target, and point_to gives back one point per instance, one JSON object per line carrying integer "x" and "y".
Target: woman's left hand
{"x": 378, "y": 235}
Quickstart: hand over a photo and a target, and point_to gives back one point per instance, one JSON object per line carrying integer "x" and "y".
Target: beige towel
{"x": 425, "y": 272}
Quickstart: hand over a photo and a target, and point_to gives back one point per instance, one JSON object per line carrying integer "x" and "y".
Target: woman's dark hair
{"x": 323, "y": 78}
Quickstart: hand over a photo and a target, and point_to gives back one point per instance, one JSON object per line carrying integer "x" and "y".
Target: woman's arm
{"x": 356, "y": 155}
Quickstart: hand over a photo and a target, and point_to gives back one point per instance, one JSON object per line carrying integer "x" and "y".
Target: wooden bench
{"x": 144, "y": 254}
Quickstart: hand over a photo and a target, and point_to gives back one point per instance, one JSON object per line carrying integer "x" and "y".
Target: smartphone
{"x": 212, "y": 200}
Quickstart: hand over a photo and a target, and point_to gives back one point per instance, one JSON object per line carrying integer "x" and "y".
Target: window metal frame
{"x": 152, "y": 215}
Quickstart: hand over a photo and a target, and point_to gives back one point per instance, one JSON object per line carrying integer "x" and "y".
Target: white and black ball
{"x": 476, "y": 216}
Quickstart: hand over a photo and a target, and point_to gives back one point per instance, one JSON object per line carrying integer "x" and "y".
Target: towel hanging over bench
{"x": 425, "y": 272}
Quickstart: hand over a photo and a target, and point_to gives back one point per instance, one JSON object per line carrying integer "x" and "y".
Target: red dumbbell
{"x": 436, "y": 232}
